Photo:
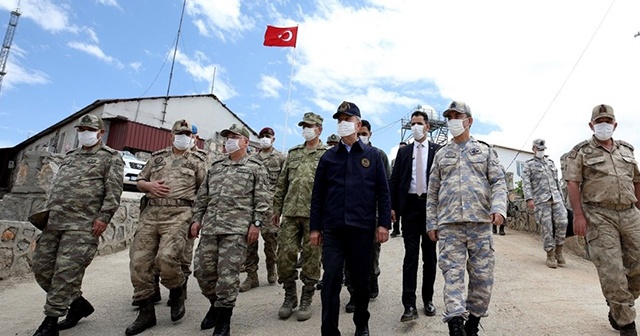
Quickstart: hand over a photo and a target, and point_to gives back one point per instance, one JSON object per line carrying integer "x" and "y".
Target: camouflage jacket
{"x": 87, "y": 187}
{"x": 540, "y": 181}
{"x": 273, "y": 162}
{"x": 466, "y": 184}
{"x": 234, "y": 195}
{"x": 295, "y": 184}
{"x": 182, "y": 173}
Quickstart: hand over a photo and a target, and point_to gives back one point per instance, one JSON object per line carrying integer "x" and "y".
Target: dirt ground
{"x": 528, "y": 299}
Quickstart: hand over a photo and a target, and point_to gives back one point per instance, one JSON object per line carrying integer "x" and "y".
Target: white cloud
{"x": 94, "y": 50}
{"x": 269, "y": 86}
{"x": 112, "y": 3}
{"x": 223, "y": 18}
{"x": 92, "y": 34}
{"x": 18, "y": 74}
{"x": 202, "y": 72}
{"x": 506, "y": 59}
{"x": 50, "y": 16}
{"x": 135, "y": 66}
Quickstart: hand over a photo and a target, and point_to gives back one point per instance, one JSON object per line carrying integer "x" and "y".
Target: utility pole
{"x": 8, "y": 40}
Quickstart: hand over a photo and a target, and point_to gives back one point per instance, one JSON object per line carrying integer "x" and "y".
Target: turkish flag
{"x": 280, "y": 36}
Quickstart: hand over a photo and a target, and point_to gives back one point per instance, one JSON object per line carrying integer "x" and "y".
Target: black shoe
{"x": 471, "y": 326}
{"x": 410, "y": 313}
{"x": 456, "y": 326}
{"x": 362, "y": 331}
{"x": 430, "y": 309}
{"x": 79, "y": 308}
{"x": 494, "y": 229}
{"x": 394, "y": 234}
{"x": 146, "y": 318}
{"x": 628, "y": 330}
{"x": 501, "y": 230}
{"x": 223, "y": 327}
{"x": 319, "y": 285}
{"x": 211, "y": 318}
{"x": 351, "y": 306}
{"x": 176, "y": 295}
{"x": 48, "y": 327}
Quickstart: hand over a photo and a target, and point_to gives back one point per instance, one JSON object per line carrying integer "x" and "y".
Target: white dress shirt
{"x": 425, "y": 154}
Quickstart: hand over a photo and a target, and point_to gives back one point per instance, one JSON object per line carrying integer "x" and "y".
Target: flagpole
{"x": 286, "y": 115}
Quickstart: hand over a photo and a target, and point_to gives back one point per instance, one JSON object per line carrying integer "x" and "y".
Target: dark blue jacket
{"x": 349, "y": 188}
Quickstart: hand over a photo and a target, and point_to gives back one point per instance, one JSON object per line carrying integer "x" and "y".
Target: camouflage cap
{"x": 91, "y": 121}
{"x": 348, "y": 109}
{"x": 267, "y": 130}
{"x": 235, "y": 129}
{"x": 458, "y": 106}
{"x": 181, "y": 126}
{"x": 539, "y": 144}
{"x": 311, "y": 119}
{"x": 333, "y": 138}
{"x": 601, "y": 111}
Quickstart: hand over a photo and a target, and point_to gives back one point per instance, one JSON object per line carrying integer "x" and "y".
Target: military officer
{"x": 333, "y": 140}
{"x": 543, "y": 194}
{"x": 170, "y": 180}
{"x": 466, "y": 194}
{"x": 230, "y": 208}
{"x": 604, "y": 183}
{"x": 83, "y": 198}
{"x": 273, "y": 161}
{"x": 292, "y": 200}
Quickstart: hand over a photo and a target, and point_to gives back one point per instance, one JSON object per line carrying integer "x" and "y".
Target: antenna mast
{"x": 8, "y": 40}
{"x": 173, "y": 62}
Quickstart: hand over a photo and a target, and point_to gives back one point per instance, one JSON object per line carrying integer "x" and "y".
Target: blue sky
{"x": 508, "y": 60}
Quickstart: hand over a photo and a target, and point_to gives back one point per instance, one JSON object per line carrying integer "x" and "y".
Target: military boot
{"x": 494, "y": 228}
{"x": 304, "y": 312}
{"x": 456, "y": 326}
{"x": 250, "y": 282}
{"x": 629, "y": 330}
{"x": 551, "y": 259}
{"x": 146, "y": 318}
{"x": 559, "y": 257}
{"x": 211, "y": 318}
{"x": 502, "y": 230}
{"x": 290, "y": 300}
{"x": 184, "y": 292}
{"x": 223, "y": 327}
{"x": 157, "y": 297}
{"x": 471, "y": 326}
{"x": 49, "y": 327}
{"x": 176, "y": 295}
{"x": 79, "y": 308}
{"x": 272, "y": 274}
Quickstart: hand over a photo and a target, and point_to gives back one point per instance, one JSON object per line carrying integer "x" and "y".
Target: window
{"x": 519, "y": 167}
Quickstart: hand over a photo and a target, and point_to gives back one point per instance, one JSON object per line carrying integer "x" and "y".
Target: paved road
{"x": 528, "y": 299}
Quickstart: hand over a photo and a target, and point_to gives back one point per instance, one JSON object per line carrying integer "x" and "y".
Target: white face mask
{"x": 232, "y": 145}
{"x": 603, "y": 131}
{"x": 192, "y": 142}
{"x": 265, "y": 142}
{"x": 456, "y": 126}
{"x": 418, "y": 131}
{"x": 364, "y": 139}
{"x": 309, "y": 133}
{"x": 346, "y": 128}
{"x": 88, "y": 138}
{"x": 182, "y": 141}
{"x": 540, "y": 154}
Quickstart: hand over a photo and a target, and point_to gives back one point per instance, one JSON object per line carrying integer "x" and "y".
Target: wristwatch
{"x": 257, "y": 223}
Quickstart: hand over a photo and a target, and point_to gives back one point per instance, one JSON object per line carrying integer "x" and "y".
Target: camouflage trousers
{"x": 186, "y": 257}
{"x": 613, "y": 239}
{"x": 269, "y": 234}
{"x": 59, "y": 262}
{"x": 552, "y": 218}
{"x": 469, "y": 244}
{"x": 217, "y": 267}
{"x": 294, "y": 234}
{"x": 158, "y": 242}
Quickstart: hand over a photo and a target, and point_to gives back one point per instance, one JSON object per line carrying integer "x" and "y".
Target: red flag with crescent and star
{"x": 280, "y": 36}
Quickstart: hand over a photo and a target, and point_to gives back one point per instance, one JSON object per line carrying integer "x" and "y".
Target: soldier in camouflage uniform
{"x": 272, "y": 161}
{"x": 292, "y": 200}
{"x": 543, "y": 195}
{"x": 83, "y": 198}
{"x": 466, "y": 194}
{"x": 170, "y": 180}
{"x": 231, "y": 206}
{"x": 604, "y": 183}
{"x": 333, "y": 140}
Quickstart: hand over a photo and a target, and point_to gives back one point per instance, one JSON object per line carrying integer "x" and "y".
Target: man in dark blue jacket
{"x": 350, "y": 190}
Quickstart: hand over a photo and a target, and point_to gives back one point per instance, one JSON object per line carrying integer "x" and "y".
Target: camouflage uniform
{"x": 161, "y": 234}
{"x": 608, "y": 180}
{"x": 273, "y": 162}
{"x": 292, "y": 200}
{"x": 87, "y": 187}
{"x": 234, "y": 195}
{"x": 540, "y": 184}
{"x": 466, "y": 185}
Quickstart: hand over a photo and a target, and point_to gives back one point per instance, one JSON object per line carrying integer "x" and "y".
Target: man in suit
{"x": 408, "y": 188}
{"x": 396, "y": 223}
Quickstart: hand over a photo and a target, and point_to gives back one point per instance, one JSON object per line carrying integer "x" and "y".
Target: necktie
{"x": 420, "y": 175}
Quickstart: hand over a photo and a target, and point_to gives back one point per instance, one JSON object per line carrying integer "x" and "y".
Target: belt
{"x": 170, "y": 202}
{"x": 612, "y": 206}
{"x": 422, "y": 197}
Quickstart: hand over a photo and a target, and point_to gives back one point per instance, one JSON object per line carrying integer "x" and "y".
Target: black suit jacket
{"x": 401, "y": 175}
